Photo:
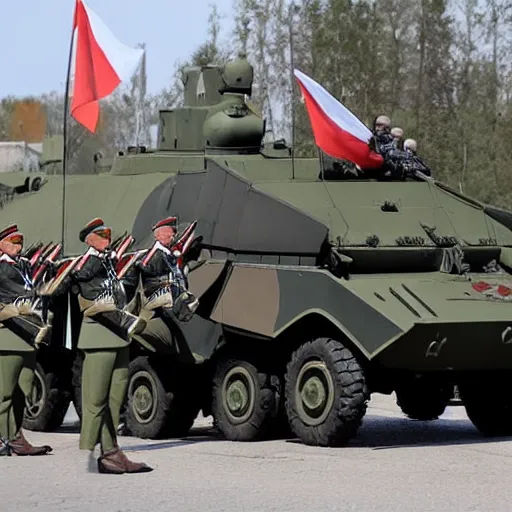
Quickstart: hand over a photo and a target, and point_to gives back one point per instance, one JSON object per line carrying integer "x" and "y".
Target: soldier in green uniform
{"x": 163, "y": 280}
{"x": 23, "y": 329}
{"x": 105, "y": 343}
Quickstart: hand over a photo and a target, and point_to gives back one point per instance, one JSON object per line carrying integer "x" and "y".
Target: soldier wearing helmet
{"x": 398, "y": 163}
{"x": 383, "y": 143}
{"x": 411, "y": 146}
{"x": 398, "y": 134}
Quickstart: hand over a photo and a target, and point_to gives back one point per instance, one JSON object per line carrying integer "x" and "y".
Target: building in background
{"x": 20, "y": 156}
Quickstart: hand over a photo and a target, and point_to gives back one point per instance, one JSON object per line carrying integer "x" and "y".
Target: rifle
{"x": 50, "y": 257}
{"x": 185, "y": 241}
{"x": 65, "y": 267}
{"x": 123, "y": 246}
{"x": 31, "y": 249}
{"x": 127, "y": 262}
{"x": 40, "y": 255}
{"x": 117, "y": 241}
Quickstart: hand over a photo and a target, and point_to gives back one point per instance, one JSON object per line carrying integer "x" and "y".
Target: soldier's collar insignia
{"x": 7, "y": 258}
{"x": 162, "y": 247}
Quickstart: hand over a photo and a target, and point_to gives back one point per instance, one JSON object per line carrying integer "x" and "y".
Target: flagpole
{"x": 65, "y": 137}
{"x": 292, "y": 65}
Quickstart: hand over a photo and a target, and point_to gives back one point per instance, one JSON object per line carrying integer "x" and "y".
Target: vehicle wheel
{"x": 162, "y": 401}
{"x": 326, "y": 393}
{"x": 245, "y": 400}
{"x": 423, "y": 400}
{"x": 488, "y": 405}
{"x": 48, "y": 403}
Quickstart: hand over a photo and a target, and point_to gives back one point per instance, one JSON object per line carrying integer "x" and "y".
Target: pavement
{"x": 394, "y": 464}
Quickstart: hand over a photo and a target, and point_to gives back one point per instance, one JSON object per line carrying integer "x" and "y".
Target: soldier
{"x": 398, "y": 134}
{"x": 398, "y": 164}
{"x": 20, "y": 316}
{"x": 411, "y": 146}
{"x": 383, "y": 143}
{"x": 163, "y": 280}
{"x": 105, "y": 370}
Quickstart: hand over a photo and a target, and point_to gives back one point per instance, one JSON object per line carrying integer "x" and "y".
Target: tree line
{"x": 439, "y": 68}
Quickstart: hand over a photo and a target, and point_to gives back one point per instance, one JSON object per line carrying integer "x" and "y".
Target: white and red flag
{"x": 102, "y": 62}
{"x": 338, "y": 132}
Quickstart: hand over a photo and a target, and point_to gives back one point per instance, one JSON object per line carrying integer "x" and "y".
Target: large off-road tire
{"x": 245, "y": 399}
{"x": 46, "y": 407}
{"x": 326, "y": 393}
{"x": 163, "y": 399}
{"x": 423, "y": 400}
{"x": 488, "y": 403}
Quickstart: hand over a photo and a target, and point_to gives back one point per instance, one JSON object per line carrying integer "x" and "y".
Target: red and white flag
{"x": 338, "y": 132}
{"x": 102, "y": 62}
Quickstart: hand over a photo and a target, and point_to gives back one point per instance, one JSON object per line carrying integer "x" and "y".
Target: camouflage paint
{"x": 250, "y": 300}
{"x": 200, "y": 280}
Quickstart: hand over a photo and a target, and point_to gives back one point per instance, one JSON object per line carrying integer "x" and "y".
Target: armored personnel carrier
{"x": 58, "y": 210}
{"x": 314, "y": 292}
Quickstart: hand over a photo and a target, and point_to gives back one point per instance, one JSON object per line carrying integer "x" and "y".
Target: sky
{"x": 35, "y": 38}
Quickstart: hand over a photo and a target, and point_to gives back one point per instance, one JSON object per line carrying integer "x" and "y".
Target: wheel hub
{"x": 143, "y": 393}
{"x": 34, "y": 402}
{"x": 238, "y": 392}
{"x": 314, "y": 393}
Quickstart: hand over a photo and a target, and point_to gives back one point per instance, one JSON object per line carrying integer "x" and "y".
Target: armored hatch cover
{"x": 232, "y": 214}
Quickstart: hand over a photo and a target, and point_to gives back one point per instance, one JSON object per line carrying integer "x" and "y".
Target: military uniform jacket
{"x": 97, "y": 277}
{"x": 15, "y": 282}
{"x": 15, "y": 279}
{"x": 97, "y": 280}
{"x": 396, "y": 160}
{"x": 162, "y": 269}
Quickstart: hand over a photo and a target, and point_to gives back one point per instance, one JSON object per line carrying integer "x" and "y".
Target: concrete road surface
{"x": 394, "y": 464}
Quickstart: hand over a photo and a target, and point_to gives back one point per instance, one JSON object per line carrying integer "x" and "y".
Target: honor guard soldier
{"x": 105, "y": 371}
{"x": 163, "y": 280}
{"x": 23, "y": 330}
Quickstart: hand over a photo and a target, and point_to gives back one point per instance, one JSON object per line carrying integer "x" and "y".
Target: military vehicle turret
{"x": 314, "y": 292}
